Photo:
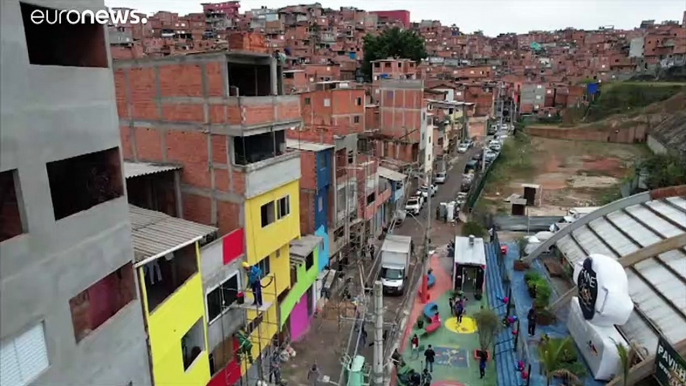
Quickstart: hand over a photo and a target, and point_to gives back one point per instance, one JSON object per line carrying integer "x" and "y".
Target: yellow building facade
{"x": 272, "y": 221}
{"x": 168, "y": 323}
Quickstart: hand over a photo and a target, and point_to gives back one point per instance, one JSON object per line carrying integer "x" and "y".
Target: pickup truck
{"x": 413, "y": 205}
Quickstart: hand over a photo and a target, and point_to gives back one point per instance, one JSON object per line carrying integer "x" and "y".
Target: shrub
{"x": 532, "y": 276}
{"x": 474, "y": 228}
{"x": 488, "y": 324}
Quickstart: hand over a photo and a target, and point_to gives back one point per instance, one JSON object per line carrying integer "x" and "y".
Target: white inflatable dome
{"x": 603, "y": 291}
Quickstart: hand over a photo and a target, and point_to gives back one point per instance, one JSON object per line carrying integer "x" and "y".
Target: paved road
{"x": 327, "y": 337}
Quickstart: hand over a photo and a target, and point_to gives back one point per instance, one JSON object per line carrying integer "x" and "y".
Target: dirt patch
{"x": 570, "y": 173}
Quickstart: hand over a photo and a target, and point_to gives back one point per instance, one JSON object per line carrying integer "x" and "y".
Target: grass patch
{"x": 514, "y": 162}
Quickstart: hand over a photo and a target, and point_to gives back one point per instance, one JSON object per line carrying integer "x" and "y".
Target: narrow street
{"x": 326, "y": 342}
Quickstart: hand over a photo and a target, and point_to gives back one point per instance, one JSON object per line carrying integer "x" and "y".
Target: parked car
{"x": 477, "y": 156}
{"x": 490, "y": 156}
{"x": 461, "y": 198}
{"x": 413, "y": 205}
{"x": 462, "y": 147}
{"x": 441, "y": 177}
{"x": 424, "y": 191}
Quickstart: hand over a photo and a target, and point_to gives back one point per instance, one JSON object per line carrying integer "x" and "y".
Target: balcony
{"x": 265, "y": 167}
{"x": 255, "y": 114}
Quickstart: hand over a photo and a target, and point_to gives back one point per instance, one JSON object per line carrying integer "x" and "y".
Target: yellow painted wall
{"x": 264, "y": 243}
{"x": 261, "y": 242}
{"x": 168, "y": 324}
{"x": 262, "y": 336}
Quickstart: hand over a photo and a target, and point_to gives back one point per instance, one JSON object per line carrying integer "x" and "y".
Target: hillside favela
{"x": 233, "y": 194}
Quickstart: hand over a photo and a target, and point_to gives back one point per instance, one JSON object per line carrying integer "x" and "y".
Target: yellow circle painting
{"x": 468, "y": 325}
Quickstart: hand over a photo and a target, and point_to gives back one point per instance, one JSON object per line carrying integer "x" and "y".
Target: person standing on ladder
{"x": 254, "y": 276}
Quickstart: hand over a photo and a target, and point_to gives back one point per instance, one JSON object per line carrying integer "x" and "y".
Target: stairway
{"x": 504, "y": 349}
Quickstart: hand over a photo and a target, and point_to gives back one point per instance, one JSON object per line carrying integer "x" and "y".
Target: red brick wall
{"x": 308, "y": 167}
{"x": 626, "y": 135}
{"x": 307, "y": 211}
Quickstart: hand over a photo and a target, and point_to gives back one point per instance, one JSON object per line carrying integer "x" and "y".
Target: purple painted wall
{"x": 300, "y": 319}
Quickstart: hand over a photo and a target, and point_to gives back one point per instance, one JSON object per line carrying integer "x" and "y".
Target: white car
{"x": 413, "y": 205}
{"x": 462, "y": 148}
{"x": 490, "y": 156}
{"x": 441, "y": 177}
{"x": 424, "y": 191}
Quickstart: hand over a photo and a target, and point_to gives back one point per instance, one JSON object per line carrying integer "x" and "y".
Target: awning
{"x": 137, "y": 169}
{"x": 156, "y": 234}
{"x": 391, "y": 174}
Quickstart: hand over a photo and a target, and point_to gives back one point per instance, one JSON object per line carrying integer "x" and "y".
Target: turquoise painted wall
{"x": 306, "y": 279}
{"x": 324, "y": 254}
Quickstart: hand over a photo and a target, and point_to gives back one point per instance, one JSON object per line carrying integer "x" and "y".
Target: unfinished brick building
{"x": 221, "y": 116}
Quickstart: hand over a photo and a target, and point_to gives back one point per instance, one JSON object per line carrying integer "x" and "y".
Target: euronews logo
{"x": 111, "y": 16}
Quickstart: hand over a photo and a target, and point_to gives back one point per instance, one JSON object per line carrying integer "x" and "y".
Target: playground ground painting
{"x": 453, "y": 343}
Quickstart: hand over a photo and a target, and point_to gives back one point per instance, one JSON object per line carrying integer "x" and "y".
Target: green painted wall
{"x": 306, "y": 279}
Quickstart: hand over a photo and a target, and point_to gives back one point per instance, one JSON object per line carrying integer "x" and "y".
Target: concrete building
{"x": 223, "y": 117}
{"x": 69, "y": 311}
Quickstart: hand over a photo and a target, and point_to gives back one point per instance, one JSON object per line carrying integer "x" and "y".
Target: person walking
{"x": 483, "y": 358}
{"x": 426, "y": 378}
{"x": 451, "y": 303}
{"x": 430, "y": 356}
{"x": 459, "y": 310}
{"x": 531, "y": 321}
{"x": 254, "y": 276}
{"x": 313, "y": 375}
{"x": 415, "y": 346}
{"x": 275, "y": 369}
{"x": 371, "y": 251}
{"x": 363, "y": 336}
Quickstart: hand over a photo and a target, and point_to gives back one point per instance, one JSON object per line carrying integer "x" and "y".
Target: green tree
{"x": 627, "y": 355}
{"x": 393, "y": 43}
{"x": 558, "y": 359}
{"x": 664, "y": 170}
{"x": 488, "y": 324}
{"x": 474, "y": 228}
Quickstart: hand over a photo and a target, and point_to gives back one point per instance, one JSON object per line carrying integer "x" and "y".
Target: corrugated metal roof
{"x": 307, "y": 146}
{"x": 156, "y": 234}
{"x": 656, "y": 285}
{"x": 137, "y": 169}
{"x": 391, "y": 174}
{"x": 304, "y": 245}
{"x": 470, "y": 254}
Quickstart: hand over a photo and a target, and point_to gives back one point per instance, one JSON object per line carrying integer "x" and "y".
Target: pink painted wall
{"x": 300, "y": 320}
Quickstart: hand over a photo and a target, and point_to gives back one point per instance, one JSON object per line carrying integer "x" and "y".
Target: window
{"x": 284, "y": 207}
{"x": 309, "y": 261}
{"x": 351, "y": 157}
{"x": 308, "y": 101}
{"x": 267, "y": 213}
{"x": 359, "y": 101}
{"x": 82, "y": 182}
{"x": 12, "y": 222}
{"x": 356, "y": 119}
{"x": 24, "y": 357}
{"x": 62, "y": 44}
{"x": 220, "y": 298}
{"x": 400, "y": 65}
{"x": 264, "y": 266}
{"x": 166, "y": 274}
{"x": 278, "y": 253}
{"x": 101, "y": 301}
{"x": 327, "y": 102}
{"x": 193, "y": 344}
{"x": 371, "y": 198}
{"x": 320, "y": 204}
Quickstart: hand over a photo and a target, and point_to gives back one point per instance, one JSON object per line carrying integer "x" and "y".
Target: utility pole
{"x": 428, "y": 216}
{"x": 378, "y": 335}
{"x": 501, "y": 102}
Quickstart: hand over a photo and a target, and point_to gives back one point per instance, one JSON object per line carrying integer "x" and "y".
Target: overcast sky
{"x": 491, "y": 16}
